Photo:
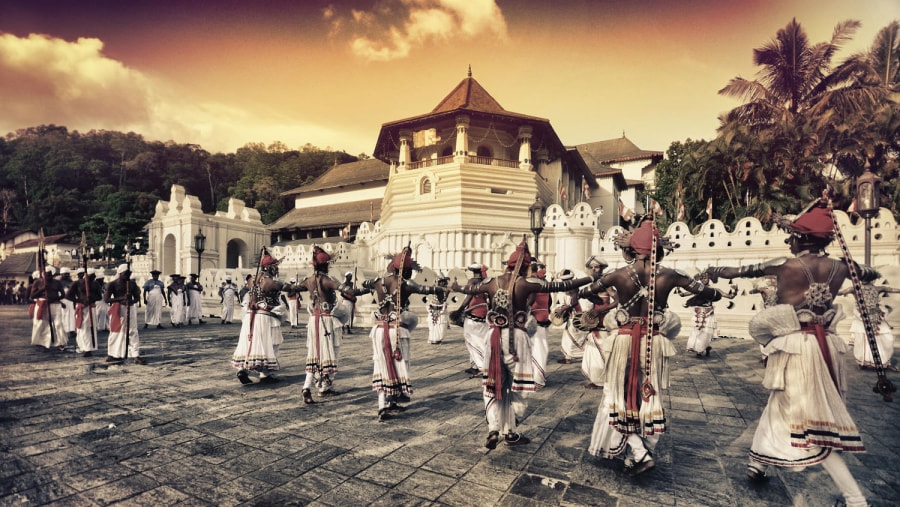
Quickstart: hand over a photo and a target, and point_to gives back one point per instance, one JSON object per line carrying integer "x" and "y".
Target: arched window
{"x": 426, "y": 186}
{"x": 485, "y": 151}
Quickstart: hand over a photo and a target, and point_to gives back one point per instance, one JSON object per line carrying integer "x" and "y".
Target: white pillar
{"x": 525, "y": 148}
{"x": 405, "y": 137}
{"x": 462, "y": 139}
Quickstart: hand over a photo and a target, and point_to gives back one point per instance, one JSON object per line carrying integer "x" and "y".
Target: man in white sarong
{"x": 48, "y": 328}
{"x": 101, "y": 310}
{"x": 472, "y": 313}
{"x": 194, "y": 291}
{"x": 508, "y": 355}
{"x": 292, "y": 296}
{"x": 154, "y": 299}
{"x": 805, "y": 419}
{"x": 228, "y": 296}
{"x": 631, "y": 417}
{"x": 85, "y": 292}
{"x": 436, "y": 305}
{"x": 123, "y": 295}
{"x": 177, "y": 300}
{"x": 540, "y": 311}
{"x": 68, "y": 306}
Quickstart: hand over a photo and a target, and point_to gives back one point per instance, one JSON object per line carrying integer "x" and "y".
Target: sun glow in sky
{"x": 329, "y": 73}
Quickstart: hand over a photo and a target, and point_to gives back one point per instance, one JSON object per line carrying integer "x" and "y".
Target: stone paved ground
{"x": 182, "y": 430}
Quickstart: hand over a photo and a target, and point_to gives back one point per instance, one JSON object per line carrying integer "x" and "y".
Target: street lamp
{"x": 868, "y": 188}
{"x": 199, "y": 246}
{"x": 536, "y": 215}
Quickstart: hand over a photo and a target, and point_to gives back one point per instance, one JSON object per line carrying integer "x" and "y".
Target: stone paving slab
{"x": 183, "y": 431}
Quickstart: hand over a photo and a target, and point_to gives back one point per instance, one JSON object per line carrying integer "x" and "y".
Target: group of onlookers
{"x": 13, "y": 292}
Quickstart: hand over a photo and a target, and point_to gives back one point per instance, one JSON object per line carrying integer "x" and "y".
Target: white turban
{"x": 121, "y": 269}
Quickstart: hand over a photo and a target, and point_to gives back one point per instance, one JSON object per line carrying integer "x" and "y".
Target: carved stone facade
{"x": 234, "y": 239}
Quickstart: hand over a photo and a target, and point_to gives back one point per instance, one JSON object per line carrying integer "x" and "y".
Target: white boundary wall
{"x": 569, "y": 238}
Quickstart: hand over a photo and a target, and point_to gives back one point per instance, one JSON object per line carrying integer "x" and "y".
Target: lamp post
{"x": 199, "y": 246}
{"x": 867, "y": 191}
{"x": 536, "y": 215}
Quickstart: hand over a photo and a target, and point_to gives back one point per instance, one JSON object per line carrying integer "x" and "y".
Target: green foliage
{"x": 109, "y": 182}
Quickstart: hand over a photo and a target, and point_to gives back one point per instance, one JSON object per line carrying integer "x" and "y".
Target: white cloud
{"x": 47, "y": 80}
{"x": 394, "y": 28}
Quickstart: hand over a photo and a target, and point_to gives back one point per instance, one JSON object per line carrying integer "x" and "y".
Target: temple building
{"x": 455, "y": 183}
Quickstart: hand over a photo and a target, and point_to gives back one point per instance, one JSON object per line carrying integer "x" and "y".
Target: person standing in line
{"x": 631, "y": 416}
{"x": 194, "y": 291}
{"x": 123, "y": 295}
{"x": 436, "y": 305}
{"x": 261, "y": 336}
{"x": 85, "y": 292}
{"x": 805, "y": 419}
{"x": 154, "y": 300}
{"x": 391, "y": 332}
{"x": 705, "y": 327}
{"x": 472, "y": 313}
{"x": 68, "y": 306}
{"x": 508, "y": 351}
{"x": 177, "y": 300}
{"x": 48, "y": 328}
{"x": 102, "y": 308}
{"x": 228, "y": 295}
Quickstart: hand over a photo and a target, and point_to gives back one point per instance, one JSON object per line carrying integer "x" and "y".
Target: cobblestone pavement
{"x": 182, "y": 430}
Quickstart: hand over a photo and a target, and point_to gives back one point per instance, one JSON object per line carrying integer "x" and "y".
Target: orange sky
{"x": 330, "y": 73}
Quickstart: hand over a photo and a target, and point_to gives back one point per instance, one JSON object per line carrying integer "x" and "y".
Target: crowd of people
{"x": 617, "y": 322}
{"x": 13, "y": 292}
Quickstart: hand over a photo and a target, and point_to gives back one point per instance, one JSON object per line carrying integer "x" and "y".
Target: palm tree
{"x": 792, "y": 109}
{"x": 871, "y": 136}
{"x": 795, "y": 76}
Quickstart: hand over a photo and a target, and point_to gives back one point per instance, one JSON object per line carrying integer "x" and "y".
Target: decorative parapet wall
{"x": 714, "y": 244}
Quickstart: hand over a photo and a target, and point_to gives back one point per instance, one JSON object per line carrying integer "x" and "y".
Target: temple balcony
{"x": 449, "y": 159}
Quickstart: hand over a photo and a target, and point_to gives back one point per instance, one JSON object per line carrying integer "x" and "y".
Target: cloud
{"x": 377, "y": 36}
{"x": 47, "y": 80}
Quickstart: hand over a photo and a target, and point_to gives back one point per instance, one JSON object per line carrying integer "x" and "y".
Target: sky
{"x": 222, "y": 74}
